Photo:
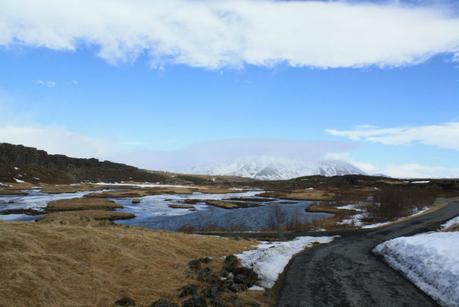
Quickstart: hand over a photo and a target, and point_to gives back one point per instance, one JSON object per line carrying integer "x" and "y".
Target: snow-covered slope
{"x": 272, "y": 168}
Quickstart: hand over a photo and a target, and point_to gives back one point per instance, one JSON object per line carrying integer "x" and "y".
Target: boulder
{"x": 195, "y": 301}
{"x": 163, "y": 303}
{"x": 189, "y": 290}
{"x": 125, "y": 302}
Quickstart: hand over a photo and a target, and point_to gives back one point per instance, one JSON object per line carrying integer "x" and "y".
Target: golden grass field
{"x": 45, "y": 264}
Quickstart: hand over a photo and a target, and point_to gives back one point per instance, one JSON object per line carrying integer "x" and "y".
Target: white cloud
{"x": 219, "y": 152}
{"x": 46, "y": 83}
{"x": 407, "y": 170}
{"x": 444, "y": 135}
{"x": 57, "y": 140}
{"x": 231, "y": 33}
{"x": 346, "y": 156}
{"x": 420, "y": 171}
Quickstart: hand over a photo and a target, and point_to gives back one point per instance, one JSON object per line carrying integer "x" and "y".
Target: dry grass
{"x": 53, "y": 265}
{"x": 223, "y": 204}
{"x": 453, "y": 228}
{"x": 85, "y": 217}
{"x": 304, "y": 194}
{"x": 82, "y": 204}
{"x": 141, "y": 192}
{"x": 66, "y": 188}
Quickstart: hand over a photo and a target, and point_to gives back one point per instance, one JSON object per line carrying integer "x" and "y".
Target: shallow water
{"x": 36, "y": 200}
{"x": 154, "y": 212}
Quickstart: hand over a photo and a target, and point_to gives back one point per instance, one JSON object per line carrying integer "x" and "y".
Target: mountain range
{"x": 274, "y": 168}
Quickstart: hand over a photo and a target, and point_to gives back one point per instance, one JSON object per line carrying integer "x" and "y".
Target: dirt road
{"x": 346, "y": 272}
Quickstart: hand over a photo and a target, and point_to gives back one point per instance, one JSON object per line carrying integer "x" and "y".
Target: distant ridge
{"x": 273, "y": 168}
{"x": 19, "y": 163}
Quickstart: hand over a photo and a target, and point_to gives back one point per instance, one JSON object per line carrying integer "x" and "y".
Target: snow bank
{"x": 450, "y": 223}
{"x": 270, "y": 259}
{"x": 350, "y": 207}
{"x": 356, "y": 220}
{"x": 430, "y": 260}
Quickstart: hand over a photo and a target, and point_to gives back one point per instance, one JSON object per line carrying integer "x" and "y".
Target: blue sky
{"x": 137, "y": 103}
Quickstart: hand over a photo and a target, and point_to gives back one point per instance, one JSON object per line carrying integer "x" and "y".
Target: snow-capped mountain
{"x": 272, "y": 168}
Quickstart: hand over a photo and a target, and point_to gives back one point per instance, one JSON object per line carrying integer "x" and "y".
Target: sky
{"x": 174, "y": 84}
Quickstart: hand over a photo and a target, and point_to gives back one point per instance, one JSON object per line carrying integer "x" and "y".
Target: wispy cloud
{"x": 445, "y": 135}
{"x": 46, "y": 83}
{"x": 232, "y": 33}
{"x": 420, "y": 171}
{"x": 400, "y": 170}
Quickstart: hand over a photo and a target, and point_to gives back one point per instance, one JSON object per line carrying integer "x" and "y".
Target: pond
{"x": 154, "y": 212}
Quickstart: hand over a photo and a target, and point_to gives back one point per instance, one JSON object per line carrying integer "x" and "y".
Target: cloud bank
{"x": 444, "y": 135}
{"x": 57, "y": 140}
{"x": 220, "y": 152}
{"x": 232, "y": 33}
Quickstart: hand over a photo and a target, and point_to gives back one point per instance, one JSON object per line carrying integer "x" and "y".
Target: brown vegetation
{"x": 223, "y": 204}
{"x": 141, "y": 192}
{"x": 55, "y": 265}
{"x": 85, "y": 217}
{"x": 394, "y": 202}
{"x": 82, "y": 204}
{"x": 305, "y": 194}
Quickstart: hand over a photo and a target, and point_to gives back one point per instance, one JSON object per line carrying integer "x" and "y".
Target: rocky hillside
{"x": 19, "y": 163}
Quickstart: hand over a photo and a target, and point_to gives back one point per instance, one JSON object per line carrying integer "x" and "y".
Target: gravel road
{"x": 346, "y": 272}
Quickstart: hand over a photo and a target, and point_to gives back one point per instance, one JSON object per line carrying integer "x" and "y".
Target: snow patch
{"x": 19, "y": 180}
{"x": 430, "y": 260}
{"x": 269, "y": 259}
{"x": 350, "y": 207}
{"x": 450, "y": 223}
{"x": 356, "y": 220}
{"x": 142, "y": 185}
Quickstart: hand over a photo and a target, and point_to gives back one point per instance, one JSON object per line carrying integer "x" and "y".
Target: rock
{"x": 211, "y": 292}
{"x": 135, "y": 201}
{"x": 217, "y": 303}
{"x": 125, "y": 302}
{"x": 235, "y": 301}
{"x": 245, "y": 276}
{"x": 206, "y": 260}
{"x": 195, "y": 264}
{"x": 206, "y": 275}
{"x": 188, "y": 290}
{"x": 231, "y": 262}
{"x": 163, "y": 303}
{"x": 195, "y": 301}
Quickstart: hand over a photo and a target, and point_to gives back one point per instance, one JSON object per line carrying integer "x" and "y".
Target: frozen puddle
{"x": 269, "y": 260}
{"x": 154, "y": 212}
{"x": 430, "y": 261}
